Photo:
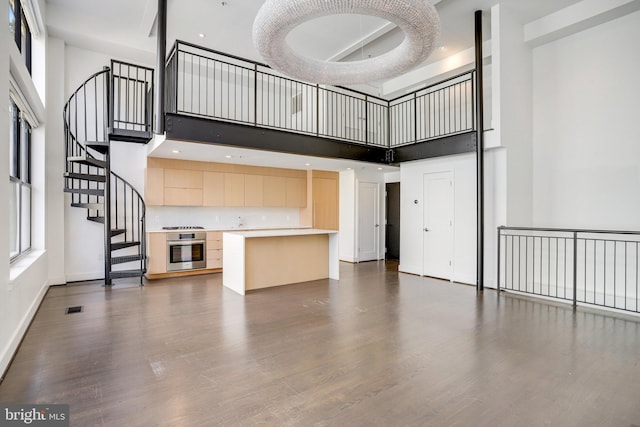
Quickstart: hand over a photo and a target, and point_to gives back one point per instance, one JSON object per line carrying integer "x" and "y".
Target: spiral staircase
{"x": 111, "y": 105}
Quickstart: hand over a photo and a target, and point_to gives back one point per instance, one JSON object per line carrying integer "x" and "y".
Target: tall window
{"x": 20, "y": 31}
{"x": 19, "y": 182}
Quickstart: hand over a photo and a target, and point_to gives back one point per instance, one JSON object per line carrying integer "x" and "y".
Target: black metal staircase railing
{"x": 91, "y": 122}
{"x": 205, "y": 83}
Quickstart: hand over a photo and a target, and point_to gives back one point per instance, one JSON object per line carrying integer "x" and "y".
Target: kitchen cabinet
{"x": 213, "y": 189}
{"x": 183, "y": 187}
{"x": 233, "y": 189}
{"x": 296, "y": 192}
{"x": 214, "y": 249}
{"x": 157, "y": 253}
{"x": 172, "y": 182}
{"x": 325, "y": 200}
{"x": 154, "y": 187}
{"x": 275, "y": 191}
{"x": 253, "y": 190}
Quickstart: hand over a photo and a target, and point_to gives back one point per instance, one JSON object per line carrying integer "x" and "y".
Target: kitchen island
{"x": 264, "y": 258}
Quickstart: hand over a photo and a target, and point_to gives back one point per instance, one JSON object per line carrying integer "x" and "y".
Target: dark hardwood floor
{"x": 377, "y": 348}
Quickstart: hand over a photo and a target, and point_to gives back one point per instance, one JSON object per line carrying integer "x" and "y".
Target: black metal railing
{"x": 132, "y": 97}
{"x": 107, "y": 197}
{"x": 595, "y": 267}
{"x": 206, "y": 83}
{"x": 443, "y": 109}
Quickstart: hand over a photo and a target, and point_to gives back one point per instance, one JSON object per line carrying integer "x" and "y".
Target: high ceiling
{"x": 128, "y": 25}
{"x": 125, "y": 29}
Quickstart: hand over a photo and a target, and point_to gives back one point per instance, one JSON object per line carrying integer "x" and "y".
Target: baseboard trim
{"x": 81, "y": 277}
{"x": 8, "y": 353}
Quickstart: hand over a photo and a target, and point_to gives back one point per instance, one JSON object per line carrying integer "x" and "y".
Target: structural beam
{"x": 479, "y": 152}
{"x": 195, "y": 129}
{"x": 158, "y": 123}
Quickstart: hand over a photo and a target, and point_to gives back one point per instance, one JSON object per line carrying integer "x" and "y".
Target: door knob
{"x": 426, "y": 229}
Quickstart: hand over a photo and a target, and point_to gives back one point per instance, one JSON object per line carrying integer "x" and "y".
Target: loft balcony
{"x": 216, "y": 98}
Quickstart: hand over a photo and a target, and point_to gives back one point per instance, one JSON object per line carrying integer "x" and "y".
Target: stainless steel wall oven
{"x": 186, "y": 250}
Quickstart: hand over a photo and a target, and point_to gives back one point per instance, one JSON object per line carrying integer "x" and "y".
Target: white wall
{"x": 586, "y": 155}
{"x": 23, "y": 283}
{"x": 411, "y": 214}
{"x": 349, "y": 210}
{"x": 222, "y": 218}
{"x": 511, "y": 115}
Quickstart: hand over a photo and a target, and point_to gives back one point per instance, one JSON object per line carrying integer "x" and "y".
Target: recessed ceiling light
{"x": 379, "y": 169}
{"x": 349, "y": 169}
{"x": 307, "y": 164}
{"x": 175, "y": 151}
{"x": 202, "y": 35}
{"x": 228, "y": 156}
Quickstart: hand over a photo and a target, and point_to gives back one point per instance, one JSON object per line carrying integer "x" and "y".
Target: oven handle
{"x": 187, "y": 242}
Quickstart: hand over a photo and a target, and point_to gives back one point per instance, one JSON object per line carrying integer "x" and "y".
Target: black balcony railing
{"x": 595, "y": 267}
{"x": 132, "y": 97}
{"x": 206, "y": 83}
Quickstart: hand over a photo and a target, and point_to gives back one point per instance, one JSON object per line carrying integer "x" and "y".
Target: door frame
{"x": 451, "y": 174}
{"x": 377, "y": 210}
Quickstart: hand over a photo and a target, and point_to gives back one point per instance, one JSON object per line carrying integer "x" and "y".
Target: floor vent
{"x": 76, "y": 309}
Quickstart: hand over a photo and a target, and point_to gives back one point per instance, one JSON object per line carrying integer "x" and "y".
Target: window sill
{"x": 17, "y": 268}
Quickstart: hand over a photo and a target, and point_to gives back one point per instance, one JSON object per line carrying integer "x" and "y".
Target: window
{"x": 19, "y": 182}
{"x": 20, "y": 31}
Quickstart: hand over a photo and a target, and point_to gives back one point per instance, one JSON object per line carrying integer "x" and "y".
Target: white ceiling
{"x": 125, "y": 29}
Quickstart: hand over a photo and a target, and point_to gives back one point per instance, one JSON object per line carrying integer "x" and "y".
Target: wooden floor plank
{"x": 375, "y": 348}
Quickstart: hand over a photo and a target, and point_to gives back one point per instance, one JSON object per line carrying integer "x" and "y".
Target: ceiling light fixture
{"x": 307, "y": 164}
{"x": 228, "y": 156}
{"x": 418, "y": 19}
{"x": 202, "y": 35}
{"x": 175, "y": 151}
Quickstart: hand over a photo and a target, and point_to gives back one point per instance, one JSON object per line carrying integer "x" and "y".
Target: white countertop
{"x": 237, "y": 229}
{"x": 280, "y": 232}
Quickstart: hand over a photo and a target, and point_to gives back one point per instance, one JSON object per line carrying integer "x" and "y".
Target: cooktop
{"x": 184, "y": 227}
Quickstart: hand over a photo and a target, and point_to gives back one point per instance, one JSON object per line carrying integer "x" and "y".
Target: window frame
{"x": 20, "y": 175}
{"x": 20, "y": 25}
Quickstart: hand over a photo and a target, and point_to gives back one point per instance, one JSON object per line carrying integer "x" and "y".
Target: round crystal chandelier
{"x": 418, "y": 19}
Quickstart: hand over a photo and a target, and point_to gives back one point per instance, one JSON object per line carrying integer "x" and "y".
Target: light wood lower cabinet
{"x": 214, "y": 249}
{"x": 157, "y": 253}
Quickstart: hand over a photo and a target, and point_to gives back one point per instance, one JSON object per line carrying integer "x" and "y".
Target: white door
{"x": 438, "y": 225}
{"x": 368, "y": 221}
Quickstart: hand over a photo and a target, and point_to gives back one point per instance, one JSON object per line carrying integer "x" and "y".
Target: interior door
{"x": 392, "y": 234}
{"x": 438, "y": 225}
{"x": 368, "y": 221}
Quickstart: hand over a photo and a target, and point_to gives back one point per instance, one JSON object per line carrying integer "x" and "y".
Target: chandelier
{"x": 418, "y": 20}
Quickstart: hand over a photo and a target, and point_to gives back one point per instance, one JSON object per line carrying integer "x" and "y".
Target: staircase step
{"x": 126, "y": 135}
{"x": 88, "y": 191}
{"x": 126, "y": 273}
{"x": 118, "y": 231}
{"x": 85, "y": 176}
{"x": 99, "y": 146}
{"x": 92, "y": 206}
{"x": 89, "y": 161}
{"x": 99, "y": 219}
{"x": 125, "y": 259}
{"x": 122, "y": 245}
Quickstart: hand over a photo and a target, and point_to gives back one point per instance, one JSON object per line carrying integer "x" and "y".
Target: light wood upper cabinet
{"x": 157, "y": 253}
{"x": 182, "y": 178}
{"x": 253, "y": 190}
{"x": 183, "y": 187}
{"x": 154, "y": 187}
{"x": 182, "y": 196}
{"x": 296, "y": 192}
{"x": 233, "y": 189}
{"x": 275, "y": 191}
{"x": 213, "y": 189}
{"x": 325, "y": 203}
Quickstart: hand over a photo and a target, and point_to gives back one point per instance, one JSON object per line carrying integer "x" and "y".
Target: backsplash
{"x": 221, "y": 218}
